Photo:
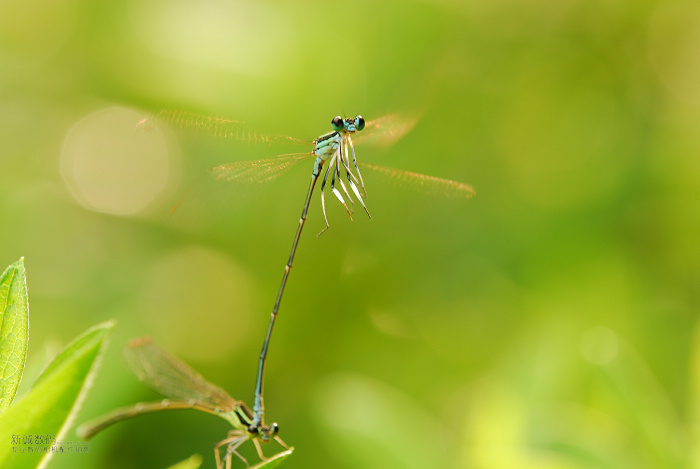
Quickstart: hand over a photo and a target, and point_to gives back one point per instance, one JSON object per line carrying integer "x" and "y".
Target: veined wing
{"x": 427, "y": 184}
{"x": 383, "y": 131}
{"x": 387, "y": 130}
{"x": 200, "y": 124}
{"x": 254, "y": 171}
{"x": 171, "y": 377}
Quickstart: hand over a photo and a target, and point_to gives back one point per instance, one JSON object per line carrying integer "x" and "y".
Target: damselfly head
{"x": 264, "y": 432}
{"x": 348, "y": 125}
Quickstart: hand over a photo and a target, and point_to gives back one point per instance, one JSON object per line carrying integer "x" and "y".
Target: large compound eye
{"x": 337, "y": 123}
{"x": 275, "y": 429}
{"x": 359, "y": 122}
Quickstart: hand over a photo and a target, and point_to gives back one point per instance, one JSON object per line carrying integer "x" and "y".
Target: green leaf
{"x": 193, "y": 462}
{"x": 48, "y": 408}
{"x": 14, "y": 324}
{"x": 274, "y": 460}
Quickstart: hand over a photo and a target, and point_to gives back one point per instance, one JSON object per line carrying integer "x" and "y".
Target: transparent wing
{"x": 200, "y": 124}
{"x": 427, "y": 184}
{"x": 171, "y": 377}
{"x": 383, "y": 131}
{"x": 387, "y": 130}
{"x": 255, "y": 171}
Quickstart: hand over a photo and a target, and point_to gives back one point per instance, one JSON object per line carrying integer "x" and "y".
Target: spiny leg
{"x": 354, "y": 162}
{"x": 256, "y": 442}
{"x": 354, "y": 187}
{"x": 259, "y": 450}
{"x": 231, "y": 450}
{"x": 323, "y": 197}
{"x": 352, "y": 179}
{"x": 336, "y": 172}
{"x": 279, "y": 440}
{"x": 350, "y": 174}
{"x": 340, "y": 179}
{"x": 234, "y": 440}
{"x": 344, "y": 162}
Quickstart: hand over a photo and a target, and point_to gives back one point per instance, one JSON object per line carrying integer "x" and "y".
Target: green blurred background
{"x": 549, "y": 322}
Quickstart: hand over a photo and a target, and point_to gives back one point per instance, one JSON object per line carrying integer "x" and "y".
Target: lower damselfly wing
{"x": 184, "y": 388}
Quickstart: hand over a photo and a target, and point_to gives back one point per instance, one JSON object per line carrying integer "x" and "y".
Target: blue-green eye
{"x": 359, "y": 123}
{"x": 337, "y": 123}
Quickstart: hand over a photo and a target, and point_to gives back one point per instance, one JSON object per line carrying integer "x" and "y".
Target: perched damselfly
{"x": 336, "y": 148}
{"x": 187, "y": 389}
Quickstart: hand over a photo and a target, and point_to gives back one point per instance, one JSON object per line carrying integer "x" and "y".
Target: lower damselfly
{"x": 187, "y": 389}
{"x": 335, "y": 148}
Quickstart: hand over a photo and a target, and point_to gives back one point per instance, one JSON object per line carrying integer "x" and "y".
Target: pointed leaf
{"x": 14, "y": 324}
{"x": 193, "y": 462}
{"x": 47, "y": 410}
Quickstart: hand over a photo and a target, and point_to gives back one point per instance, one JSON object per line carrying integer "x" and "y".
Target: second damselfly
{"x": 187, "y": 389}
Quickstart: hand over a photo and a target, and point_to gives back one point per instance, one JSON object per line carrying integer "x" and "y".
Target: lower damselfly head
{"x": 348, "y": 125}
{"x": 264, "y": 433}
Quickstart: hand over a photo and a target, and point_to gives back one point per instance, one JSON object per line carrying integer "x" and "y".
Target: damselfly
{"x": 336, "y": 148}
{"x": 187, "y": 389}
